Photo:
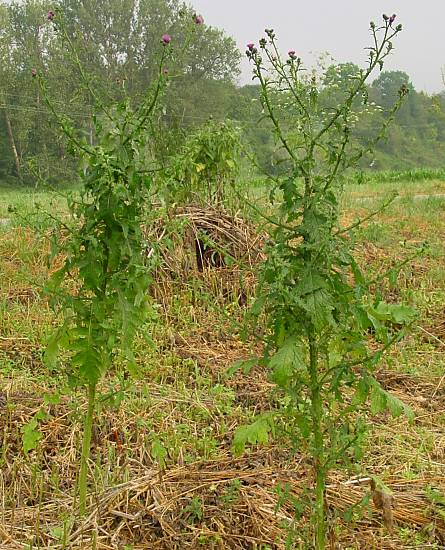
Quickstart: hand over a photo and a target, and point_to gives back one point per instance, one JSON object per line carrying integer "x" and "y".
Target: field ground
{"x": 162, "y": 471}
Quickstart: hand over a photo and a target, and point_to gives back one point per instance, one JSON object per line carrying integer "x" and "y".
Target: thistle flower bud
{"x": 50, "y": 16}
{"x": 198, "y": 19}
{"x": 166, "y": 39}
{"x": 392, "y": 18}
{"x": 403, "y": 90}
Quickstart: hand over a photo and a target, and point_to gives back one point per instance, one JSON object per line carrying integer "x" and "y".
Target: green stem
{"x": 87, "y": 431}
{"x": 318, "y": 447}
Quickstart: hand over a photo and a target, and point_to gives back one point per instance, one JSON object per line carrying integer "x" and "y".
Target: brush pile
{"x": 205, "y": 245}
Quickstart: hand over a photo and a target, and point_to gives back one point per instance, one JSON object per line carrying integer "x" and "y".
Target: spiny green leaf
{"x": 397, "y": 407}
{"x": 394, "y": 313}
{"x": 382, "y": 399}
{"x": 287, "y": 361}
{"x": 253, "y": 434}
{"x": 245, "y": 364}
{"x": 358, "y": 275}
{"x": 378, "y": 399}
{"x": 91, "y": 363}
{"x": 31, "y": 435}
{"x": 159, "y": 453}
{"x": 304, "y": 423}
{"x": 319, "y": 306}
{"x": 52, "y": 348}
{"x": 362, "y": 391}
{"x": 258, "y": 305}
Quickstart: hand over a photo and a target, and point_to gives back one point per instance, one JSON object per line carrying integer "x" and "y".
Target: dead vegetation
{"x": 210, "y": 249}
{"x": 218, "y": 502}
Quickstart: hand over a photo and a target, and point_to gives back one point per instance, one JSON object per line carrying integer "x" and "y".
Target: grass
{"x": 162, "y": 471}
{"x": 368, "y": 190}
{"x": 19, "y": 202}
{"x": 398, "y": 176}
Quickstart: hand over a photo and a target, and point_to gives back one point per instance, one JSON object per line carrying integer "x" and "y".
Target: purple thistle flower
{"x": 250, "y": 46}
{"x": 198, "y": 19}
{"x": 166, "y": 39}
{"x": 33, "y": 73}
{"x": 392, "y": 18}
{"x": 292, "y": 54}
{"x": 50, "y": 15}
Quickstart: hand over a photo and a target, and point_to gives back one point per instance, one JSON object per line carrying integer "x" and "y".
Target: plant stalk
{"x": 318, "y": 447}
{"x": 86, "y": 444}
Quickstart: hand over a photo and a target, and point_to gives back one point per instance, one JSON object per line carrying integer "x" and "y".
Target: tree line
{"x": 118, "y": 42}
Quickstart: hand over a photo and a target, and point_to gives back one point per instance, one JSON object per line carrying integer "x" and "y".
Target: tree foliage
{"x": 117, "y": 43}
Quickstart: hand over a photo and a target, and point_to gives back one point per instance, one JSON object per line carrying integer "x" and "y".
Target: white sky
{"x": 341, "y": 28}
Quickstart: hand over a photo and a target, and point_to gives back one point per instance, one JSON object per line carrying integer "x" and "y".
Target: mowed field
{"x": 162, "y": 471}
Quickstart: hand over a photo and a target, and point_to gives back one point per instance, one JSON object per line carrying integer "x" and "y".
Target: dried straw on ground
{"x": 222, "y": 502}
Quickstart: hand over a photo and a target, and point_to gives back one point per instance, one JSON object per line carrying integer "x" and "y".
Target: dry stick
{"x": 431, "y": 335}
{"x": 438, "y": 386}
{"x": 443, "y": 344}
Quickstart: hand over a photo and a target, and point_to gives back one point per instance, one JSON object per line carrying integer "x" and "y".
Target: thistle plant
{"x": 316, "y": 301}
{"x": 101, "y": 290}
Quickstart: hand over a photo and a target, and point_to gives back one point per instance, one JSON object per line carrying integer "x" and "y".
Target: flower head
{"x": 166, "y": 39}
{"x": 33, "y": 73}
{"x": 198, "y": 19}
{"x": 50, "y": 15}
{"x": 392, "y": 18}
{"x": 251, "y": 50}
{"x": 165, "y": 71}
{"x": 292, "y": 54}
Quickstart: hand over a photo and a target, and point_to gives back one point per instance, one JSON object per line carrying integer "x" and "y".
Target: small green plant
{"x": 159, "y": 453}
{"x": 194, "y": 510}
{"x": 31, "y": 434}
{"x": 231, "y": 493}
{"x": 316, "y": 301}
{"x": 207, "y": 165}
{"x": 437, "y": 499}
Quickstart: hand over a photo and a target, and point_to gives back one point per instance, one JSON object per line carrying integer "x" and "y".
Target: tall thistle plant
{"x": 101, "y": 289}
{"x": 316, "y": 301}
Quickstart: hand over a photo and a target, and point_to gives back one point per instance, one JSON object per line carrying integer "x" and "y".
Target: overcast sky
{"x": 339, "y": 27}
